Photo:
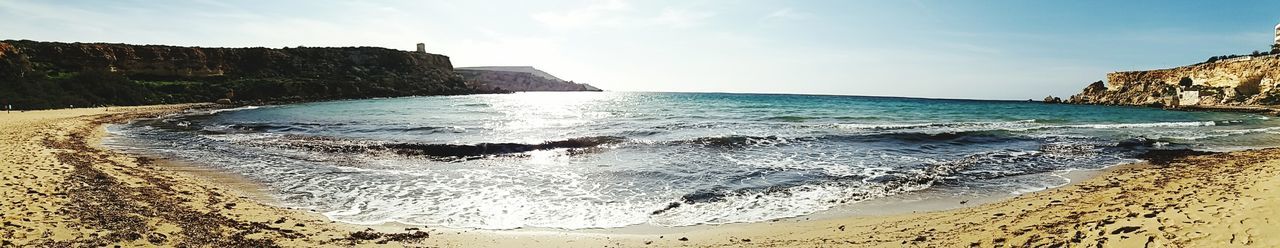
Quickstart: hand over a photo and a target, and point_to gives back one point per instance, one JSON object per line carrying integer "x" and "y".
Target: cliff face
{"x": 1246, "y": 81}
{"x": 169, "y": 74}
{"x": 518, "y": 78}
{"x": 12, "y": 66}
{"x": 204, "y": 62}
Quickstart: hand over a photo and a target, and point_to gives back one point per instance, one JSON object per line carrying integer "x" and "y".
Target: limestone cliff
{"x": 12, "y": 67}
{"x": 53, "y": 74}
{"x": 518, "y": 78}
{"x": 1243, "y": 81}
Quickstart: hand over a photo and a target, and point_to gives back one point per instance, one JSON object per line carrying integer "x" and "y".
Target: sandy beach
{"x": 62, "y": 188}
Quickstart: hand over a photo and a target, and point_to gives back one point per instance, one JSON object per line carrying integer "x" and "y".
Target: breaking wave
{"x": 618, "y": 159}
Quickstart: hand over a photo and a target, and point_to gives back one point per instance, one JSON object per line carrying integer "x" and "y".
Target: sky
{"x": 991, "y": 49}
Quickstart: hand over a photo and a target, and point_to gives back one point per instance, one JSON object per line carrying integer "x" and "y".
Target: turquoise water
{"x": 609, "y": 159}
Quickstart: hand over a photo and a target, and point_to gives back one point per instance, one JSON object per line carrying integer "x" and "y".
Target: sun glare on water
{"x": 549, "y": 110}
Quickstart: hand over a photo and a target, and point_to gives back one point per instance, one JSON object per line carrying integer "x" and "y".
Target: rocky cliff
{"x": 1243, "y": 81}
{"x": 518, "y": 78}
{"x": 53, "y": 74}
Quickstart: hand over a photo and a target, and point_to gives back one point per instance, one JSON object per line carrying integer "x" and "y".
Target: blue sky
{"x": 949, "y": 49}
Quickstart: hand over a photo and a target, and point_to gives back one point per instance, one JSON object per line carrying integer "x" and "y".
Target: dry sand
{"x": 61, "y": 188}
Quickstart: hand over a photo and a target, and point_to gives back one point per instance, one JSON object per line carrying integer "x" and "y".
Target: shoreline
{"x": 1248, "y": 109}
{"x": 235, "y": 183}
{"x": 915, "y": 202}
{"x": 922, "y": 201}
{"x": 1200, "y": 200}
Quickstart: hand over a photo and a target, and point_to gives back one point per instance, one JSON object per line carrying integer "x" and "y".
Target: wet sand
{"x": 62, "y": 188}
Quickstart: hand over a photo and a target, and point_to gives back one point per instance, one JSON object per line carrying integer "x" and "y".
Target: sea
{"x": 577, "y": 160}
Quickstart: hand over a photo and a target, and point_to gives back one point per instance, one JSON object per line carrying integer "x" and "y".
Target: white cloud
{"x": 499, "y": 48}
{"x": 681, "y": 18}
{"x": 786, "y": 13}
{"x": 597, "y": 13}
{"x": 620, "y": 14}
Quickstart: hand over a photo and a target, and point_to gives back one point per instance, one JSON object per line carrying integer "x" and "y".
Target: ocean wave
{"x": 804, "y": 198}
{"x": 641, "y": 133}
{"x": 216, "y": 111}
{"x": 448, "y": 150}
{"x": 1209, "y": 134}
{"x": 963, "y": 137}
{"x": 770, "y": 203}
{"x": 257, "y": 127}
{"x": 891, "y": 126}
{"x": 415, "y": 129}
{"x": 892, "y": 140}
{"x": 1025, "y": 125}
{"x": 263, "y": 127}
{"x": 735, "y": 141}
{"x": 763, "y": 203}
{"x": 473, "y": 105}
{"x": 790, "y": 118}
{"x": 307, "y": 127}
{"x": 667, "y": 164}
{"x": 817, "y": 194}
{"x": 1144, "y": 125}
{"x": 857, "y": 118}
{"x": 338, "y": 145}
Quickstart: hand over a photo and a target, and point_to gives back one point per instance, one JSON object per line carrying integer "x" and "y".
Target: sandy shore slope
{"x": 61, "y": 188}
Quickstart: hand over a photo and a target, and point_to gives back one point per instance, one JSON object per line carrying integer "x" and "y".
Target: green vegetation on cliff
{"x": 40, "y": 75}
{"x": 1230, "y": 81}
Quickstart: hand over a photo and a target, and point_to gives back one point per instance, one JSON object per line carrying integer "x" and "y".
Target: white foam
{"x": 1192, "y": 135}
{"x": 554, "y": 190}
{"x": 1147, "y": 125}
{"x": 1044, "y": 185}
{"x": 762, "y": 206}
{"x": 1022, "y": 125}
{"x": 958, "y": 125}
{"x": 215, "y": 111}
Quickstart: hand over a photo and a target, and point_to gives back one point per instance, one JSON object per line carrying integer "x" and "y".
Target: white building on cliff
{"x": 1277, "y": 34}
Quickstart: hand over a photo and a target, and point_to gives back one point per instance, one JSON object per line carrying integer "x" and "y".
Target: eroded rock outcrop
{"x": 1244, "y": 81}
{"x": 518, "y": 78}
{"x": 54, "y": 74}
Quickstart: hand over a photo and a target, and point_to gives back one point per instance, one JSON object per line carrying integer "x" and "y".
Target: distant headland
{"x": 518, "y": 78}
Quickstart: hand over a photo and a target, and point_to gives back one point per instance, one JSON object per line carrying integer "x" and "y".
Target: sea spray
{"x": 595, "y": 160}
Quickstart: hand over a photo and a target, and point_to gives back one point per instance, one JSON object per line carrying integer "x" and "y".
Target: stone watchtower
{"x": 422, "y": 48}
